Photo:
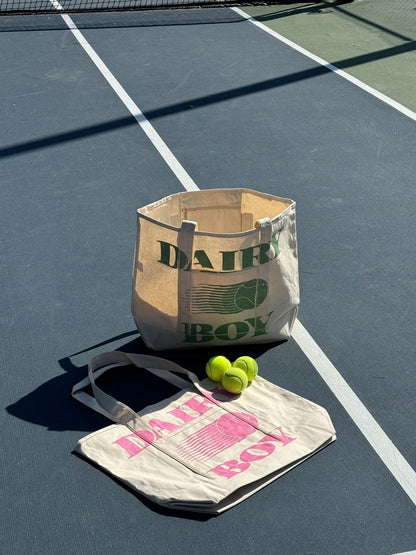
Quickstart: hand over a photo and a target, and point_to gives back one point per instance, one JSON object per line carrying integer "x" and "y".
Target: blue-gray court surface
{"x": 101, "y": 115}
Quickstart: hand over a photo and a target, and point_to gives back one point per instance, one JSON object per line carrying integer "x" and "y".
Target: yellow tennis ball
{"x": 234, "y": 380}
{"x": 249, "y": 365}
{"x": 216, "y": 366}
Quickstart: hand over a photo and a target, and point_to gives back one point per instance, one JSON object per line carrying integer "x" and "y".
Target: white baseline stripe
{"x": 393, "y": 103}
{"x": 388, "y": 453}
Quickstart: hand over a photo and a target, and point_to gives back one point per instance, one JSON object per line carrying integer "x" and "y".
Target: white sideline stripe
{"x": 393, "y": 103}
{"x": 157, "y": 141}
{"x": 372, "y": 431}
{"x": 383, "y": 446}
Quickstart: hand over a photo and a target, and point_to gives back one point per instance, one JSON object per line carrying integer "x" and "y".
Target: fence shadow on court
{"x": 336, "y": 6}
{"x": 202, "y": 101}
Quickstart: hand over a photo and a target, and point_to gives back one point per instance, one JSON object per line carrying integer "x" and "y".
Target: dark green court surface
{"x": 373, "y": 40}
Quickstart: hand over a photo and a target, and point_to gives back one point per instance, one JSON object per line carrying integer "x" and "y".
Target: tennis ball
{"x": 249, "y": 365}
{"x": 234, "y": 380}
{"x": 216, "y": 366}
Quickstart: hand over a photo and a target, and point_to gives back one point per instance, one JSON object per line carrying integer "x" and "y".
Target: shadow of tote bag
{"x": 215, "y": 267}
{"x": 203, "y": 449}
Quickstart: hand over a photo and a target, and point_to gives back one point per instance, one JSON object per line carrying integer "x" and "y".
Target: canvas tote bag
{"x": 215, "y": 267}
{"x": 203, "y": 449}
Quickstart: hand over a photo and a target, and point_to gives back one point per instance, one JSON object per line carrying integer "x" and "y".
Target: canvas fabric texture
{"x": 215, "y": 267}
{"x": 203, "y": 449}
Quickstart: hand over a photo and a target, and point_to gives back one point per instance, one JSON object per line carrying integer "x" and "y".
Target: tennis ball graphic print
{"x": 229, "y": 299}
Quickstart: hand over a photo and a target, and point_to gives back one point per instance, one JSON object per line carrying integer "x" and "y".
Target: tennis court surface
{"x": 104, "y": 112}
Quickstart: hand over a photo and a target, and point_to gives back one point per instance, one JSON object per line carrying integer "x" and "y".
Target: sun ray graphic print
{"x": 218, "y": 436}
{"x": 228, "y": 299}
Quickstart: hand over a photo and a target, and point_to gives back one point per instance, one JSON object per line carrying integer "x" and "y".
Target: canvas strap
{"x": 265, "y": 229}
{"x": 109, "y": 406}
{"x": 119, "y": 412}
{"x": 186, "y": 236}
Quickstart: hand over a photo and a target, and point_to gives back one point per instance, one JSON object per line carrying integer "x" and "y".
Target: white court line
{"x": 132, "y": 107}
{"x": 393, "y": 103}
{"x": 371, "y": 430}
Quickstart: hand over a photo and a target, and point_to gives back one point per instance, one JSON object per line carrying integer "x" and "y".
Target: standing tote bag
{"x": 215, "y": 267}
{"x": 203, "y": 449}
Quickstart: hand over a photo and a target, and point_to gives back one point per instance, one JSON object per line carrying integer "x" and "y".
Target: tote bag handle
{"x": 119, "y": 412}
{"x": 109, "y": 406}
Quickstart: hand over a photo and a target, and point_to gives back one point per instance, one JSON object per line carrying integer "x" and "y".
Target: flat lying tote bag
{"x": 203, "y": 449}
{"x": 215, "y": 267}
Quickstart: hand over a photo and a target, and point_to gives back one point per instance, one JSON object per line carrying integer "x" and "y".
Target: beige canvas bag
{"x": 203, "y": 449}
{"x": 215, "y": 267}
